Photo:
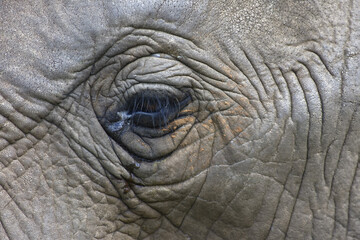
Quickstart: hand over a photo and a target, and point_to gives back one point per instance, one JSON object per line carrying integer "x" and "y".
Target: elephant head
{"x": 180, "y": 119}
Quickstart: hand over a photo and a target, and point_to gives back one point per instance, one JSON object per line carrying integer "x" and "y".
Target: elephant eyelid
{"x": 153, "y": 111}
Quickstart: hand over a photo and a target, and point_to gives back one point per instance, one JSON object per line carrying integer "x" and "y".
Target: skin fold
{"x": 180, "y": 119}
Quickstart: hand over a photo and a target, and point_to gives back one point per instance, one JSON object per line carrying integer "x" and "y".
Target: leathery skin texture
{"x": 180, "y": 119}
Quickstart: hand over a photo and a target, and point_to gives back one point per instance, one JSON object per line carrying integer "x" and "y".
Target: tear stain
{"x": 123, "y": 121}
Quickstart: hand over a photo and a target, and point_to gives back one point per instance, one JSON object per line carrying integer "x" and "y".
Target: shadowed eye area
{"x": 154, "y": 111}
{"x": 148, "y": 104}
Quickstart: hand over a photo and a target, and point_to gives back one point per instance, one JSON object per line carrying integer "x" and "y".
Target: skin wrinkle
{"x": 324, "y": 62}
{"x": 291, "y": 95}
{"x": 193, "y": 202}
{"x": 19, "y": 205}
{"x": 345, "y": 66}
{"x": 299, "y": 188}
{"x": 28, "y": 149}
{"x": 8, "y": 231}
{"x": 307, "y": 154}
{"x": 307, "y": 67}
{"x": 346, "y": 46}
{"x": 277, "y": 208}
{"x": 228, "y": 205}
{"x": 321, "y": 133}
{"x": 8, "y": 117}
{"x": 4, "y": 228}
{"x": 350, "y": 197}
{"x": 58, "y": 125}
{"x": 259, "y": 91}
{"x": 186, "y": 167}
{"x": 174, "y": 209}
{"x": 184, "y": 146}
{"x": 318, "y": 101}
{"x": 341, "y": 149}
{"x": 123, "y": 171}
{"x": 277, "y": 108}
{"x": 328, "y": 86}
{"x": 131, "y": 206}
{"x": 258, "y": 111}
{"x": 337, "y": 220}
{"x": 192, "y": 205}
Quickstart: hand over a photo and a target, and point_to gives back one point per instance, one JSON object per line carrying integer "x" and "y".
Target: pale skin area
{"x": 270, "y": 151}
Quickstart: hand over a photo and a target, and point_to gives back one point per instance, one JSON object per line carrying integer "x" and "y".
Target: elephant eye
{"x": 146, "y": 122}
{"x": 154, "y": 111}
{"x": 148, "y": 106}
{"x": 149, "y": 110}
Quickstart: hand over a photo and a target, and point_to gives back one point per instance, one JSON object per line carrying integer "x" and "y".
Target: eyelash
{"x": 149, "y": 111}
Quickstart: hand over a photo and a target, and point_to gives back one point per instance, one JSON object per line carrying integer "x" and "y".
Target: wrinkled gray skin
{"x": 269, "y": 151}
